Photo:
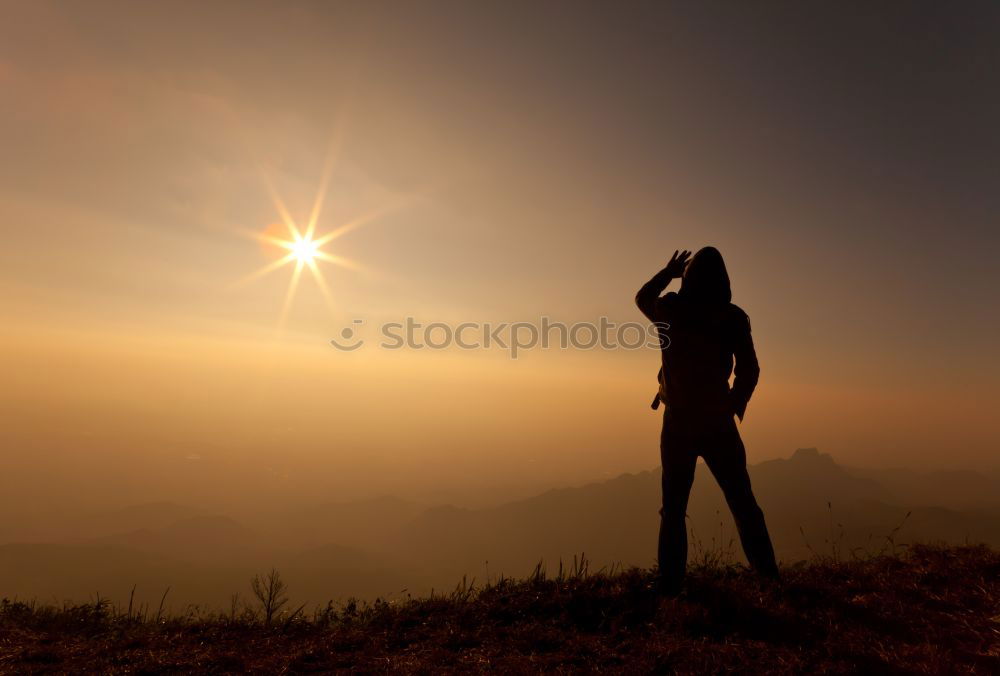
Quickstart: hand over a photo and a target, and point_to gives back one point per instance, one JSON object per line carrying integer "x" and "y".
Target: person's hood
{"x": 705, "y": 279}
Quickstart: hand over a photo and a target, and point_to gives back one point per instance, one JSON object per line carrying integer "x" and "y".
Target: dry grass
{"x": 933, "y": 610}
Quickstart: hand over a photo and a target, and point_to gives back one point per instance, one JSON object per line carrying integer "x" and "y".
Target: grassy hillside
{"x": 932, "y": 610}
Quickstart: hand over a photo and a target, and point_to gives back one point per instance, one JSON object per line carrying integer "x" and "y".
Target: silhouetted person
{"x": 701, "y": 333}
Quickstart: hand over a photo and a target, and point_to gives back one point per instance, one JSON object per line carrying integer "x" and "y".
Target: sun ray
{"x": 324, "y": 181}
{"x": 267, "y": 269}
{"x": 364, "y": 219}
{"x": 321, "y": 283}
{"x": 342, "y": 261}
{"x": 292, "y": 284}
{"x": 283, "y": 243}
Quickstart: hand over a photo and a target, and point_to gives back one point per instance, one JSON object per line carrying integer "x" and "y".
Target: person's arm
{"x": 747, "y": 370}
{"x": 651, "y": 290}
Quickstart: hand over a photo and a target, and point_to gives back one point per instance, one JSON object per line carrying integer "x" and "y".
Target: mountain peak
{"x": 811, "y": 455}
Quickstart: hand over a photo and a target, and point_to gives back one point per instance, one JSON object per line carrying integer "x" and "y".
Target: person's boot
{"x": 667, "y": 588}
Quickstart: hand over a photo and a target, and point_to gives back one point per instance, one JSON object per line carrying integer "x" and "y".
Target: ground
{"x": 932, "y": 610}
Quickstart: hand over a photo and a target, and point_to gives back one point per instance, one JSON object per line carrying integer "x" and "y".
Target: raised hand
{"x": 679, "y": 261}
{"x": 651, "y": 290}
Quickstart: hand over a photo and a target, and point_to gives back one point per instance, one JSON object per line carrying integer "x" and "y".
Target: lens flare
{"x": 305, "y": 250}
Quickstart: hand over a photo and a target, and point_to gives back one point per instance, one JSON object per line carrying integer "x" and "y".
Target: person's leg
{"x": 678, "y": 459}
{"x": 728, "y": 462}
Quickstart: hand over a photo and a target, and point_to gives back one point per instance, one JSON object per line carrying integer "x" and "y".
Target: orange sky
{"x": 523, "y": 163}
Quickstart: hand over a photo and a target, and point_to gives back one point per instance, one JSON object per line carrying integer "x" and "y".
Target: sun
{"x": 305, "y": 250}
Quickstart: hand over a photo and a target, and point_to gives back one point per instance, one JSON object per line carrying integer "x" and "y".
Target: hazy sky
{"x": 513, "y": 160}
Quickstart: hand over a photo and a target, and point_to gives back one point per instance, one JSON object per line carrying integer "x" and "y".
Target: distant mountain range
{"x": 387, "y": 546}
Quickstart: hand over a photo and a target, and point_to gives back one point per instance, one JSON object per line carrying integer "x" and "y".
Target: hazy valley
{"x": 391, "y": 547}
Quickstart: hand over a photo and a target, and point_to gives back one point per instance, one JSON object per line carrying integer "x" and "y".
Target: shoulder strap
{"x": 656, "y": 400}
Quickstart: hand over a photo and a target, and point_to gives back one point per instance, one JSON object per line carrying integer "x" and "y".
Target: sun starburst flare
{"x": 302, "y": 248}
